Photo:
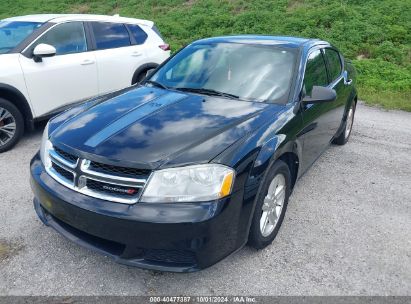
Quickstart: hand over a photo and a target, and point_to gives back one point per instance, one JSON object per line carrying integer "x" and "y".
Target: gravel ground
{"x": 347, "y": 231}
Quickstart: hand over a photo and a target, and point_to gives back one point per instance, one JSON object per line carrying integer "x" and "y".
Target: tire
{"x": 11, "y": 125}
{"x": 342, "y": 139}
{"x": 259, "y": 236}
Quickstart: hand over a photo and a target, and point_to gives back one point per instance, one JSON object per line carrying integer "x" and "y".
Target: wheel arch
{"x": 143, "y": 68}
{"x": 278, "y": 148}
{"x": 19, "y": 100}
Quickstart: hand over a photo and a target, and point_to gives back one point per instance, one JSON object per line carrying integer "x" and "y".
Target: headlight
{"x": 189, "y": 184}
{"x": 45, "y": 147}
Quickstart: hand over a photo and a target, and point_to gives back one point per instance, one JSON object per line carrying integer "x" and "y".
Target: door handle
{"x": 136, "y": 54}
{"x": 348, "y": 82}
{"x": 87, "y": 62}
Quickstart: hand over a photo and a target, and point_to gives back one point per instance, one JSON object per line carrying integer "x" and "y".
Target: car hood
{"x": 152, "y": 128}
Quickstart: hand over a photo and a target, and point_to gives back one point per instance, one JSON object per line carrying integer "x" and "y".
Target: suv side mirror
{"x": 43, "y": 50}
{"x": 320, "y": 94}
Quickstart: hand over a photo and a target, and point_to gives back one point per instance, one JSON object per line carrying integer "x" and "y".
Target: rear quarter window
{"x": 138, "y": 33}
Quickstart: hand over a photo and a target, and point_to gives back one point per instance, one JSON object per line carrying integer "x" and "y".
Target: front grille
{"x": 170, "y": 256}
{"x": 63, "y": 172}
{"x": 110, "y": 169}
{"x": 126, "y": 191}
{"x": 107, "y": 182}
{"x": 67, "y": 156}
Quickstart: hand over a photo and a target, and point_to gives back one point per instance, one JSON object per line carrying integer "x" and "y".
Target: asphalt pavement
{"x": 347, "y": 231}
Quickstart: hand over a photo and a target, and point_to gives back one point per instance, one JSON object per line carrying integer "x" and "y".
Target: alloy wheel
{"x": 7, "y": 126}
{"x": 273, "y": 205}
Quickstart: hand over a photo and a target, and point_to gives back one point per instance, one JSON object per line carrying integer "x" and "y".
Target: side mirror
{"x": 320, "y": 94}
{"x": 43, "y": 50}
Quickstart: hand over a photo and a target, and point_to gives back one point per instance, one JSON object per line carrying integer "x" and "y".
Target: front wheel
{"x": 11, "y": 125}
{"x": 345, "y": 134}
{"x": 271, "y": 206}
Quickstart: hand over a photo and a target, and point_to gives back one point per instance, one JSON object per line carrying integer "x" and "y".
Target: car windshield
{"x": 232, "y": 70}
{"x": 12, "y": 33}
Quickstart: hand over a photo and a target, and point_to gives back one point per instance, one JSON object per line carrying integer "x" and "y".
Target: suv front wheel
{"x": 11, "y": 125}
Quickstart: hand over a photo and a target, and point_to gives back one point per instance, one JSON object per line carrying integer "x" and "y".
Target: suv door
{"x": 318, "y": 118}
{"x": 118, "y": 54}
{"x": 69, "y": 76}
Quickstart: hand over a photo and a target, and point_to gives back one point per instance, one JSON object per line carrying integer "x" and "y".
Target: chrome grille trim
{"x": 56, "y": 157}
{"x": 58, "y": 177}
{"x": 81, "y": 172}
{"x": 85, "y": 167}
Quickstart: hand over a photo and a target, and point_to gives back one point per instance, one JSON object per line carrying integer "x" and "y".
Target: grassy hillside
{"x": 375, "y": 34}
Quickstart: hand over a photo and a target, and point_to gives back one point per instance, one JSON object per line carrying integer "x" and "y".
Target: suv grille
{"x": 112, "y": 183}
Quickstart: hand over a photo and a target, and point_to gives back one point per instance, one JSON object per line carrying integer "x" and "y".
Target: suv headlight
{"x": 189, "y": 184}
{"x": 45, "y": 147}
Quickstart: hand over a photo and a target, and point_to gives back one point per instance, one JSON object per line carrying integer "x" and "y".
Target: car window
{"x": 315, "y": 72}
{"x": 67, "y": 38}
{"x": 110, "y": 35}
{"x": 334, "y": 63}
{"x": 139, "y": 35}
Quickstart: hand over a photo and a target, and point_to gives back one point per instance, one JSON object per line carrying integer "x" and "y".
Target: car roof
{"x": 57, "y": 18}
{"x": 288, "y": 41}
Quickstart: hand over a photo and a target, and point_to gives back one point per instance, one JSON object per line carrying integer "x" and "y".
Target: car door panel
{"x": 64, "y": 78}
{"x": 335, "y": 69}
{"x": 117, "y": 57}
{"x": 318, "y": 118}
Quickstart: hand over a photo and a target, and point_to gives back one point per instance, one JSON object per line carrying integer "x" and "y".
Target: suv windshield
{"x": 12, "y": 33}
{"x": 232, "y": 70}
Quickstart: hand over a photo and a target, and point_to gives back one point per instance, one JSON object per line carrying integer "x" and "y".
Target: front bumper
{"x": 181, "y": 237}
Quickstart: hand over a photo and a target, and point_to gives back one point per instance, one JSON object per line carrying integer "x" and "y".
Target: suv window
{"x": 334, "y": 63}
{"x": 139, "y": 35}
{"x": 67, "y": 38}
{"x": 315, "y": 72}
{"x": 110, "y": 35}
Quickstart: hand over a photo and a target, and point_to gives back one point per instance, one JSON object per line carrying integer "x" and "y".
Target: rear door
{"x": 118, "y": 54}
{"x": 69, "y": 76}
{"x": 335, "y": 75}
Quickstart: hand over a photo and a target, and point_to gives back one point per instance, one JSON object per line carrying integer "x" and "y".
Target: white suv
{"x": 50, "y": 61}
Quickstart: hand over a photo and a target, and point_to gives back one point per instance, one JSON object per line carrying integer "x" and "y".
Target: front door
{"x": 69, "y": 76}
{"x": 319, "y": 119}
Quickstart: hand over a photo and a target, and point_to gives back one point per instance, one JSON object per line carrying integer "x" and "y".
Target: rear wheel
{"x": 11, "y": 125}
{"x": 141, "y": 76}
{"x": 271, "y": 206}
{"x": 342, "y": 139}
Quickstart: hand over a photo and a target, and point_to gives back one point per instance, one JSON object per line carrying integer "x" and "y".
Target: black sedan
{"x": 199, "y": 159}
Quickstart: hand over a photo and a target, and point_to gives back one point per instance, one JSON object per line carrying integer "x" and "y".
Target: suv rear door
{"x": 69, "y": 76}
{"x": 118, "y": 52}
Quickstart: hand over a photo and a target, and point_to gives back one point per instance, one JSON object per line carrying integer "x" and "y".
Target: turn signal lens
{"x": 227, "y": 184}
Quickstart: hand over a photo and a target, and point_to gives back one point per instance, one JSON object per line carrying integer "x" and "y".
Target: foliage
{"x": 375, "y": 34}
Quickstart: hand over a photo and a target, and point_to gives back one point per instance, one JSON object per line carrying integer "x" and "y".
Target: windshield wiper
{"x": 156, "y": 83}
{"x": 208, "y": 92}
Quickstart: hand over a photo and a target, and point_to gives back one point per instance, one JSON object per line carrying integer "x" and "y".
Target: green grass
{"x": 375, "y": 34}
